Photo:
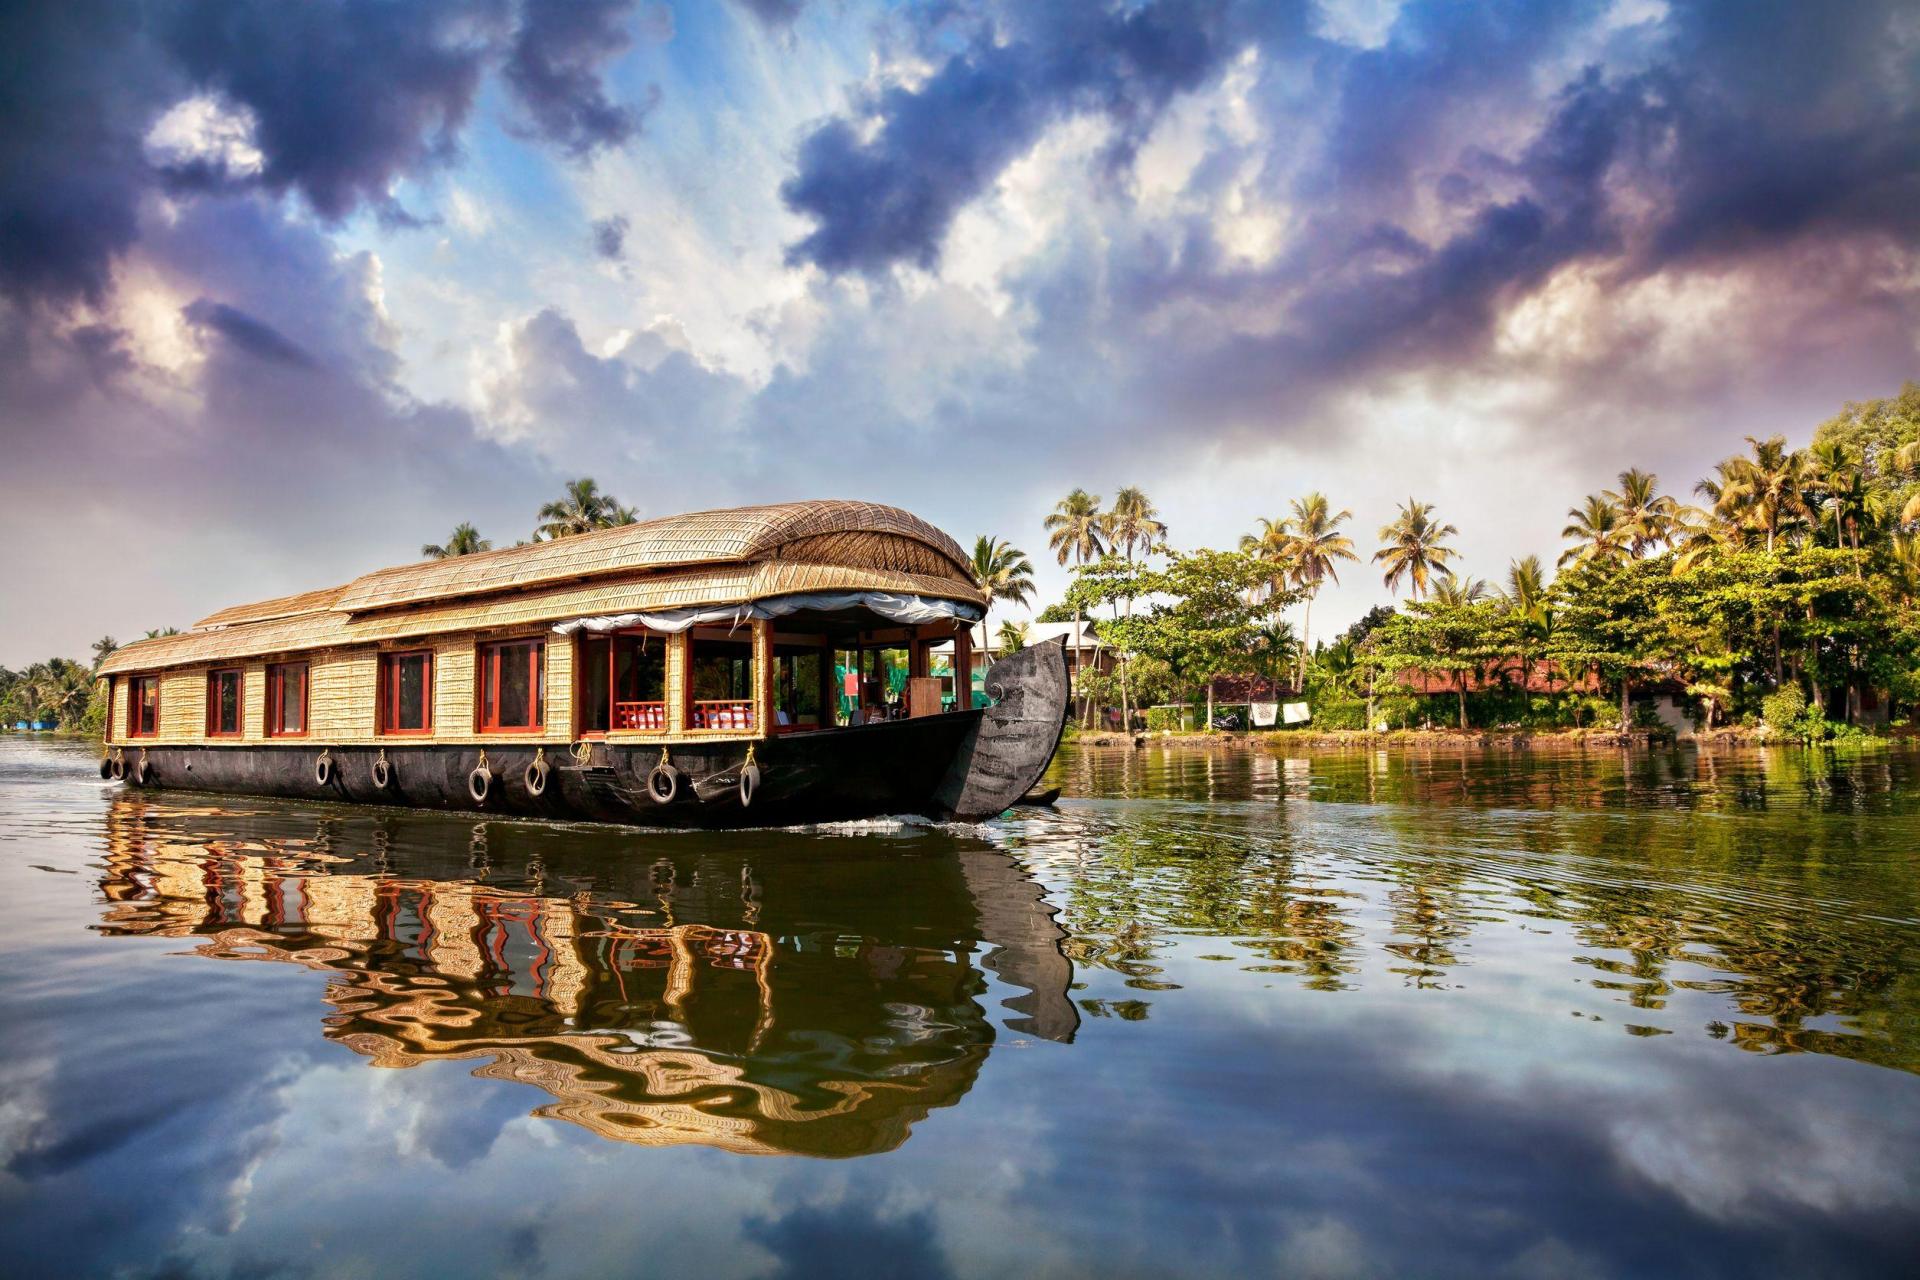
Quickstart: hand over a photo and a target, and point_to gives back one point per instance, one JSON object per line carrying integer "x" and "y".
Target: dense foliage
{"x": 1788, "y": 596}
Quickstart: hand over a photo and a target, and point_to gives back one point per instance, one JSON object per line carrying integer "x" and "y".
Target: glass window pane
{"x": 515, "y": 687}
{"x": 412, "y": 678}
{"x": 293, "y": 700}
{"x": 227, "y": 705}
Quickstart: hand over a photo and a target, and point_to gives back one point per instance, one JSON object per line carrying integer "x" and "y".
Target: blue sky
{"x": 288, "y": 289}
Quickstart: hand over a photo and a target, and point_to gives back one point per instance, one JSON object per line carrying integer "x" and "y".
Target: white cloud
{"x": 204, "y": 130}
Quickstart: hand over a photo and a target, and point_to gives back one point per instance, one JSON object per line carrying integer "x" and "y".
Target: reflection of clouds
{"x": 25, "y": 1128}
{"x": 1733, "y": 1163}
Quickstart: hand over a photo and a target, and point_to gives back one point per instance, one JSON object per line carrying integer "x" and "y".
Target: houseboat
{"x": 759, "y": 666}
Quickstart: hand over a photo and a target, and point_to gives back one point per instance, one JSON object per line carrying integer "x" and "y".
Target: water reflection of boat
{"x": 769, "y": 996}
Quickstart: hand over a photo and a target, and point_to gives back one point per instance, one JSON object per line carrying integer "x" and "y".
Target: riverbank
{"x": 1284, "y": 742}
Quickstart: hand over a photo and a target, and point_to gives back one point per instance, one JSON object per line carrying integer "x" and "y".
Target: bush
{"x": 1336, "y": 713}
{"x": 1783, "y": 710}
{"x": 1165, "y": 718}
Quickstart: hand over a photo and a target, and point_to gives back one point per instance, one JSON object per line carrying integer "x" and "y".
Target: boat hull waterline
{"x": 967, "y": 765}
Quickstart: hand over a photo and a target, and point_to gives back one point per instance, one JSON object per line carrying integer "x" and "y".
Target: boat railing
{"x": 640, "y": 715}
{"x": 723, "y": 713}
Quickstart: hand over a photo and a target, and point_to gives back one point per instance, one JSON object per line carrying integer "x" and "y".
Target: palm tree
{"x": 1599, "y": 534}
{"x": 1414, "y": 548}
{"x": 1003, "y": 572}
{"x": 1903, "y": 561}
{"x": 1526, "y": 592}
{"x": 1316, "y": 544}
{"x": 464, "y": 541}
{"x": 1275, "y": 649}
{"x": 103, "y": 648}
{"x": 582, "y": 509}
{"x": 1766, "y": 492}
{"x": 1526, "y": 598}
{"x": 1647, "y": 516}
{"x": 1075, "y": 531}
{"x": 1013, "y": 637}
{"x": 1134, "y": 522}
{"x": 158, "y": 632}
{"x": 1455, "y": 592}
{"x": 1273, "y": 546}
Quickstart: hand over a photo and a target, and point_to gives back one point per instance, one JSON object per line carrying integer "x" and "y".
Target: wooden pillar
{"x": 762, "y": 677}
{"x": 916, "y": 655}
{"x": 679, "y": 681}
{"x": 963, "y": 668}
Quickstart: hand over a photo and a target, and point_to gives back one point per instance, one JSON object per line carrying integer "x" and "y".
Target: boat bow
{"x": 1014, "y": 740}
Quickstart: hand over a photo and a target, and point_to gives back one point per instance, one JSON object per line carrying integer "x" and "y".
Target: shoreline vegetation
{"x": 1782, "y": 605}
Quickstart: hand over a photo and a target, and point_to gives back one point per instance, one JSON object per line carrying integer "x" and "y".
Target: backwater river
{"x": 1502, "y": 1013}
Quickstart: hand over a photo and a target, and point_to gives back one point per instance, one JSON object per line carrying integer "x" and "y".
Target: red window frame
{"x": 486, "y": 701}
{"x": 276, "y": 699}
{"x": 214, "y": 678}
{"x": 138, "y": 726}
{"x": 388, "y": 716}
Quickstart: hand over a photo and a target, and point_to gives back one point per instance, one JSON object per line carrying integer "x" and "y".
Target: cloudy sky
{"x": 288, "y": 287}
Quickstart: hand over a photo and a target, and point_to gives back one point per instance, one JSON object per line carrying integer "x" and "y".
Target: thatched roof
{"x": 707, "y": 557}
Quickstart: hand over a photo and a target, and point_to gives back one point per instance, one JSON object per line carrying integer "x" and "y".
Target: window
{"x": 143, "y": 706}
{"x": 223, "y": 703}
{"x": 287, "y": 700}
{"x": 797, "y": 687}
{"x": 622, "y": 681}
{"x": 406, "y": 692}
{"x": 513, "y": 686}
{"x": 720, "y": 684}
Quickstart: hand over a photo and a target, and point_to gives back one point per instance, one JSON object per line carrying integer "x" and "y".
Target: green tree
{"x": 1076, "y": 531}
{"x": 1415, "y": 547}
{"x": 1201, "y": 619}
{"x": 1598, "y": 532}
{"x": 464, "y": 541}
{"x": 1003, "y": 571}
{"x": 1317, "y": 547}
{"x": 582, "y": 508}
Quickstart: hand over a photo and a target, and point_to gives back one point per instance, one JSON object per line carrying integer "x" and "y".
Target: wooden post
{"x": 679, "y": 682}
{"x": 963, "y": 668}
{"x": 763, "y": 677}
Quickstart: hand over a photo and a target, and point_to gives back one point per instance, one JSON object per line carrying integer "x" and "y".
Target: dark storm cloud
{"x": 610, "y": 236}
{"x": 344, "y": 99}
{"x": 255, "y": 337}
{"x": 346, "y": 96}
{"x": 1724, "y": 129}
{"x": 69, "y": 169}
{"x": 890, "y": 198}
{"x": 554, "y": 70}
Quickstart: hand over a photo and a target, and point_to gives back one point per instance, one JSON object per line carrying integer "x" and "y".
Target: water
{"x": 1339, "y": 1015}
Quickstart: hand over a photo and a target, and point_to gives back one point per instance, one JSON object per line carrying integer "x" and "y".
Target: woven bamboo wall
{"x": 340, "y": 694}
{"x": 453, "y": 685}
{"x": 253, "y": 706}
{"x": 116, "y": 708}
{"x": 183, "y": 705}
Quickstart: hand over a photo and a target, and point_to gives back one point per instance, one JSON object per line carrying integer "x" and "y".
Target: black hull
{"x": 838, "y": 775}
{"x": 967, "y": 765}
